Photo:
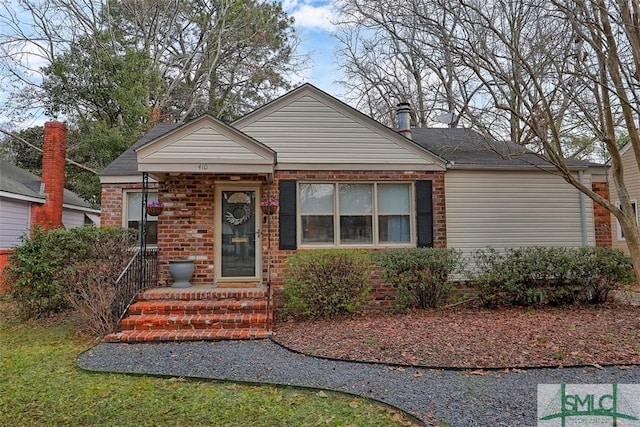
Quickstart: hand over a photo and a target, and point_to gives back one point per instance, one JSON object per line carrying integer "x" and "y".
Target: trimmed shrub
{"x": 42, "y": 271}
{"x": 421, "y": 276}
{"x": 556, "y": 276}
{"x": 604, "y": 270}
{"x": 326, "y": 282}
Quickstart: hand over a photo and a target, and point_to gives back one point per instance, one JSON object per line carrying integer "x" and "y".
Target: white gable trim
{"x": 124, "y": 179}
{"x": 625, "y": 148}
{"x": 205, "y": 145}
{"x": 21, "y": 197}
{"x": 81, "y": 209}
{"x": 391, "y": 166}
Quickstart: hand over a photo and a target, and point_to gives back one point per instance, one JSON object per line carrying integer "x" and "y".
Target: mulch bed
{"x": 476, "y": 338}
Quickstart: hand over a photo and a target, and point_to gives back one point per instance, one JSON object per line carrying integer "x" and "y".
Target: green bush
{"x": 533, "y": 276}
{"x": 421, "y": 276}
{"x": 605, "y": 270}
{"x": 41, "y": 273}
{"x": 326, "y": 282}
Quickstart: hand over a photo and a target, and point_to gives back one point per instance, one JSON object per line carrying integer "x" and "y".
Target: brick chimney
{"x": 404, "y": 119}
{"x": 49, "y": 215}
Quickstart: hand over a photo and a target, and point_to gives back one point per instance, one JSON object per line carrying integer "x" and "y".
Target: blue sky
{"x": 313, "y": 25}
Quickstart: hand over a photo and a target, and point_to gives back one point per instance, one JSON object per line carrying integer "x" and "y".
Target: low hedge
{"x": 326, "y": 282}
{"x": 533, "y": 276}
{"x": 421, "y": 276}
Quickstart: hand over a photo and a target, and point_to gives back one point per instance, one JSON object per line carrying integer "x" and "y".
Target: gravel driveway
{"x": 463, "y": 398}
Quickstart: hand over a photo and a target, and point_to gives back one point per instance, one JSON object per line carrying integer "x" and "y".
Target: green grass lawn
{"x": 40, "y": 385}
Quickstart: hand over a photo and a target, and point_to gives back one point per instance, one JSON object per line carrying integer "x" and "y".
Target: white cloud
{"x": 313, "y": 15}
{"x": 290, "y": 5}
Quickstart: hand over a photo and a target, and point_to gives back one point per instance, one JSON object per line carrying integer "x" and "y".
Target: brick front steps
{"x": 195, "y": 314}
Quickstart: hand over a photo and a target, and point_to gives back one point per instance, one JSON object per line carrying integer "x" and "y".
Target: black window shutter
{"x": 287, "y": 214}
{"x": 424, "y": 210}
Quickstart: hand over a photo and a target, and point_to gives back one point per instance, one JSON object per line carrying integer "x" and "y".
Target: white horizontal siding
{"x": 311, "y": 132}
{"x": 507, "y": 209}
{"x": 14, "y": 222}
{"x": 632, "y": 182}
{"x": 72, "y": 219}
{"x": 206, "y": 144}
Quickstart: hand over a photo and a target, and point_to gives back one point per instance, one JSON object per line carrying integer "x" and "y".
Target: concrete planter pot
{"x": 181, "y": 271}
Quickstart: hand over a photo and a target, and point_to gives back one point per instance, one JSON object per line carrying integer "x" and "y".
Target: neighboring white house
{"x": 631, "y": 176}
{"x": 20, "y": 192}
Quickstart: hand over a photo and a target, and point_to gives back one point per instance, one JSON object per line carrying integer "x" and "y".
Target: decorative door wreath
{"x": 238, "y": 209}
{"x": 238, "y": 214}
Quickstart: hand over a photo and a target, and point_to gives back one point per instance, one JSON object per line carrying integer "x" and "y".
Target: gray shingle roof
{"x": 466, "y": 147}
{"x": 21, "y": 182}
{"x": 127, "y": 163}
{"x": 459, "y": 146}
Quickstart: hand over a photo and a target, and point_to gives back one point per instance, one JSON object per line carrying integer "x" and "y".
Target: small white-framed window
{"x": 394, "y": 213}
{"x": 132, "y": 215}
{"x": 620, "y": 233}
{"x": 355, "y": 214}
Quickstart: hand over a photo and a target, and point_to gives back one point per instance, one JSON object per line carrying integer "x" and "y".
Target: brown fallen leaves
{"x": 476, "y": 338}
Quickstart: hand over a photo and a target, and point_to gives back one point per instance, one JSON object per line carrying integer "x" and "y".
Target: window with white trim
{"x": 635, "y": 212}
{"x": 133, "y": 215}
{"x": 355, "y": 214}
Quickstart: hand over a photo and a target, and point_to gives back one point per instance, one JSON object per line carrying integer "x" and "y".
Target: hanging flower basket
{"x": 269, "y": 206}
{"x": 154, "y": 208}
{"x": 269, "y": 210}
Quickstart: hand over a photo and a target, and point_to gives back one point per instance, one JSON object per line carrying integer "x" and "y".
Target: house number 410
{"x": 203, "y": 166}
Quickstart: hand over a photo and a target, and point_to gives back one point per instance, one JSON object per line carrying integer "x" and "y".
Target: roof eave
{"x": 471, "y": 166}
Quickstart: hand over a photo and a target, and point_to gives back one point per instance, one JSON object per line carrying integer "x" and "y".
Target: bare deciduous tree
{"x": 561, "y": 77}
{"x": 399, "y": 51}
{"x": 574, "y": 67}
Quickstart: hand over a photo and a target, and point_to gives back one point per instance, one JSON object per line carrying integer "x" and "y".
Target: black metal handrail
{"x": 141, "y": 272}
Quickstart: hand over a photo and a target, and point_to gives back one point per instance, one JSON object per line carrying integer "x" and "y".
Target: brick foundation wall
{"x": 601, "y": 216}
{"x": 5, "y": 255}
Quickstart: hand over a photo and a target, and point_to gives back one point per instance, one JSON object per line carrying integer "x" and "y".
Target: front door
{"x": 239, "y": 240}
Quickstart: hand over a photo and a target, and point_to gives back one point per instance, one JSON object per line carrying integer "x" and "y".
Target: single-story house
{"x": 27, "y": 199}
{"x": 20, "y": 197}
{"x": 341, "y": 179}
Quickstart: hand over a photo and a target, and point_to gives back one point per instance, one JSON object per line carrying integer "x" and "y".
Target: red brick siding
{"x": 601, "y": 216}
{"x": 382, "y": 295}
{"x": 112, "y": 201}
{"x": 193, "y": 235}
